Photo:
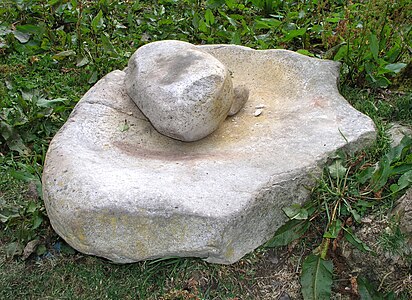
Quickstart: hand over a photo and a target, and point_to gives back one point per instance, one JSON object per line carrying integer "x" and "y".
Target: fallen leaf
{"x": 354, "y": 284}
{"x": 30, "y": 248}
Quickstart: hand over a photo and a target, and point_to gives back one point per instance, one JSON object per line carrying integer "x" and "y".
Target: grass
{"x": 81, "y": 277}
{"x": 57, "y": 49}
{"x": 75, "y": 276}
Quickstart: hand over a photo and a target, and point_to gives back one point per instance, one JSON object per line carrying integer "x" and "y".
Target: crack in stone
{"x": 87, "y": 101}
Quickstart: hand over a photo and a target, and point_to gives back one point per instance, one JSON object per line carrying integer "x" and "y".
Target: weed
{"x": 395, "y": 242}
{"x": 348, "y": 189}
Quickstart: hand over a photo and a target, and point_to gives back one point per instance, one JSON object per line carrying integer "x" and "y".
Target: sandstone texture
{"x": 115, "y": 187}
{"x": 403, "y": 209}
{"x": 397, "y": 132}
{"x": 241, "y": 95}
{"x": 185, "y": 92}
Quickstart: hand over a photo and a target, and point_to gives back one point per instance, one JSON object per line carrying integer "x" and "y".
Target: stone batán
{"x": 115, "y": 187}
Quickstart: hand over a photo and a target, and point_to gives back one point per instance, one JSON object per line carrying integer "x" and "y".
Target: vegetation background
{"x": 53, "y": 51}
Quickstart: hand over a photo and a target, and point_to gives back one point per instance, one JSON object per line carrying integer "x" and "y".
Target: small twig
{"x": 383, "y": 279}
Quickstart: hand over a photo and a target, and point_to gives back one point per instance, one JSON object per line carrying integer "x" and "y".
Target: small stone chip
{"x": 258, "y": 112}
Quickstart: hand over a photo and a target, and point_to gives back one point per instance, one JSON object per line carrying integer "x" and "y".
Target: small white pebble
{"x": 258, "y": 112}
{"x": 260, "y": 106}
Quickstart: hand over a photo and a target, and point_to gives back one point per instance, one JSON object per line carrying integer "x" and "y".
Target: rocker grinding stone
{"x": 186, "y": 93}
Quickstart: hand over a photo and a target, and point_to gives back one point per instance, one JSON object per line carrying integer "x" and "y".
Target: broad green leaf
{"x": 28, "y": 28}
{"x": 400, "y": 168}
{"x": 21, "y": 36}
{"x": 195, "y": 20}
{"x": 82, "y": 61}
{"x": 41, "y": 249}
{"x": 17, "y": 144}
{"x": 98, "y": 21}
{"x": 22, "y": 175}
{"x": 365, "y": 175}
{"x": 107, "y": 45}
{"x": 294, "y": 33}
{"x": 305, "y": 52}
{"x": 333, "y": 52}
{"x": 31, "y": 207}
{"x": 367, "y": 291}
{"x": 341, "y": 53}
{"x": 396, "y": 68}
{"x": 45, "y": 44}
{"x": 203, "y": 26}
{"x": 355, "y": 215}
{"x": 381, "y": 175}
{"x": 41, "y": 102}
{"x": 13, "y": 249}
{"x": 295, "y": 211}
{"x": 355, "y": 241}
{"x": 53, "y": 2}
{"x": 381, "y": 81}
{"x": 374, "y": 45}
{"x": 93, "y": 78}
{"x": 64, "y": 54}
{"x": 393, "y": 53}
{"x": 66, "y": 249}
{"x": 36, "y": 221}
{"x": 267, "y": 23}
{"x": 230, "y": 3}
{"x": 333, "y": 229}
{"x": 230, "y": 20}
{"x": 333, "y": 20}
{"x": 386, "y": 167}
{"x": 363, "y": 205}
{"x": 288, "y": 232}
{"x": 13, "y": 139}
{"x": 403, "y": 182}
{"x": 397, "y": 152}
{"x": 215, "y": 3}
{"x": 209, "y": 17}
{"x": 235, "y": 38}
{"x": 337, "y": 170}
{"x": 316, "y": 278}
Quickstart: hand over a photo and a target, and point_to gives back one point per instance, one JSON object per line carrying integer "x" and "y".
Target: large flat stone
{"x": 114, "y": 187}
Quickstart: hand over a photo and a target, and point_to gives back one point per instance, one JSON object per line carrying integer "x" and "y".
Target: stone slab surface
{"x": 114, "y": 187}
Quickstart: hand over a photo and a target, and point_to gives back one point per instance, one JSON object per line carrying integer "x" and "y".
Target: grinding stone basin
{"x": 114, "y": 187}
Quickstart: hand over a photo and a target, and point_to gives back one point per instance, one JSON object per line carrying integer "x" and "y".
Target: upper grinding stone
{"x": 185, "y": 92}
